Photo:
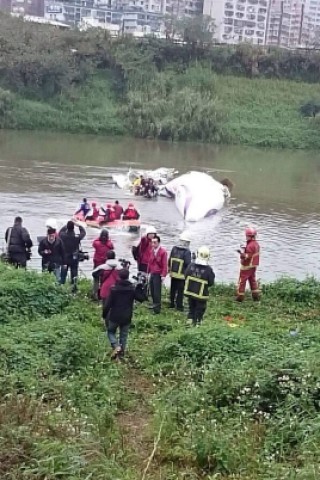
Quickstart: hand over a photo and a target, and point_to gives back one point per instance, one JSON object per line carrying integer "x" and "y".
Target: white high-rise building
{"x": 239, "y": 20}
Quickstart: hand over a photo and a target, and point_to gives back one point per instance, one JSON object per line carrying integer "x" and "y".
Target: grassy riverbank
{"x": 238, "y": 397}
{"x": 87, "y": 82}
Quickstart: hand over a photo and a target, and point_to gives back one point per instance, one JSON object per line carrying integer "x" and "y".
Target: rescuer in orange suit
{"x": 249, "y": 261}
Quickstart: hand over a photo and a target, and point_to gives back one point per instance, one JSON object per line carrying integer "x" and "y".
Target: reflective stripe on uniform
{"x": 179, "y": 274}
{"x": 202, "y": 283}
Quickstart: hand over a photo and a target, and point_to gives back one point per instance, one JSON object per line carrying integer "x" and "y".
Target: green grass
{"x": 237, "y": 398}
{"x": 265, "y": 112}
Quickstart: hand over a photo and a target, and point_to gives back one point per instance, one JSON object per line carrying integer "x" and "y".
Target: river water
{"x": 46, "y": 175}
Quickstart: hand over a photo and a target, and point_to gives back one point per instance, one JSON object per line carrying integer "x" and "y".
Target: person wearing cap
{"x": 52, "y": 252}
{"x": 19, "y": 244}
{"x": 84, "y": 208}
{"x": 179, "y": 260}
{"x": 71, "y": 243}
{"x": 108, "y": 213}
{"x": 158, "y": 269}
{"x": 131, "y": 213}
{"x": 249, "y": 261}
{"x": 118, "y": 210}
{"x": 93, "y": 214}
{"x": 117, "y": 313}
{"x": 199, "y": 277}
{"x": 141, "y": 253}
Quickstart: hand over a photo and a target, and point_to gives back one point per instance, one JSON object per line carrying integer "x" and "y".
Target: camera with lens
{"x": 82, "y": 256}
{"x": 141, "y": 286}
{"x": 124, "y": 263}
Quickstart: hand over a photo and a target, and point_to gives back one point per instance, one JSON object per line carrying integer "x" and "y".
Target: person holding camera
{"x": 52, "y": 252}
{"x": 19, "y": 244}
{"x": 71, "y": 243}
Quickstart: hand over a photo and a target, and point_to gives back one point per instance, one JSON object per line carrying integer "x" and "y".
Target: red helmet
{"x": 109, "y": 205}
{"x": 94, "y": 204}
{"x": 251, "y": 232}
{"x": 130, "y": 205}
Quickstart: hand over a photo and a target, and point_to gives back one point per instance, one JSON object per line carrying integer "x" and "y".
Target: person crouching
{"x": 198, "y": 278}
{"x": 117, "y": 313}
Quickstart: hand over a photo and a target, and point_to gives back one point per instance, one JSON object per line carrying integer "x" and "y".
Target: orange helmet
{"x": 130, "y": 205}
{"x": 251, "y": 232}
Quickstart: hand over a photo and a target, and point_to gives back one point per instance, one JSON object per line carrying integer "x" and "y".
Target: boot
{"x": 256, "y": 297}
{"x": 239, "y": 298}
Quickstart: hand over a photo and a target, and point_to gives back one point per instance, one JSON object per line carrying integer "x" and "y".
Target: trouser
{"x": 53, "y": 268}
{"x": 18, "y": 261}
{"x": 123, "y": 335}
{"x": 142, "y": 267}
{"x": 197, "y": 309}
{"x": 155, "y": 291}
{"x": 73, "y": 265}
{"x": 176, "y": 293}
{"x": 248, "y": 276}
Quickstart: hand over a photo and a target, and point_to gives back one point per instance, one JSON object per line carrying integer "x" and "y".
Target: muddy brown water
{"x": 44, "y": 175}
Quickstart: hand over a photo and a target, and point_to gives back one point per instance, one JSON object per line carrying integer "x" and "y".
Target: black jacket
{"x": 201, "y": 272}
{"x": 182, "y": 253}
{"x": 56, "y": 255}
{"x": 19, "y": 239}
{"x": 119, "y": 306}
{"x": 71, "y": 241}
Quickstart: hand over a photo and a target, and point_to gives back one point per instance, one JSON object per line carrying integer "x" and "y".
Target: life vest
{"x": 130, "y": 214}
{"x": 177, "y": 263}
{"x": 196, "y": 283}
{"x": 251, "y": 255}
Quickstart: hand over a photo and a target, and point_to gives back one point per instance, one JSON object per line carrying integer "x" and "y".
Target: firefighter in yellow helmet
{"x": 198, "y": 278}
{"x": 179, "y": 260}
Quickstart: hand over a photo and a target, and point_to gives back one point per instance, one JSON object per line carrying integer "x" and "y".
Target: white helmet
{"x": 150, "y": 230}
{"x": 184, "y": 237}
{"x": 52, "y": 223}
{"x": 203, "y": 253}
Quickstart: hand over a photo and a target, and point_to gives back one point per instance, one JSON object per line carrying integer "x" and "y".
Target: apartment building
{"x": 287, "y": 22}
{"x": 23, "y": 7}
{"x": 239, "y": 20}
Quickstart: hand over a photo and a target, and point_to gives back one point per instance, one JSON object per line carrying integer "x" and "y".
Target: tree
{"x": 197, "y": 30}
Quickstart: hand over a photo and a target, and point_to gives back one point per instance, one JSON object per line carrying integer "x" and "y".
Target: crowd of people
{"x": 145, "y": 187}
{"x": 109, "y": 213}
{"x": 191, "y": 275}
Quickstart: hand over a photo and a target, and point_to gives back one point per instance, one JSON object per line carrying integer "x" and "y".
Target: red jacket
{"x": 250, "y": 257}
{"x": 158, "y": 263}
{"x": 118, "y": 210}
{"x": 100, "y": 251}
{"x": 109, "y": 279}
{"x": 145, "y": 250}
{"x": 131, "y": 214}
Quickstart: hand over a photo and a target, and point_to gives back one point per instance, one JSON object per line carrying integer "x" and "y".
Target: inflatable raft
{"x": 196, "y": 194}
{"x": 132, "y": 226}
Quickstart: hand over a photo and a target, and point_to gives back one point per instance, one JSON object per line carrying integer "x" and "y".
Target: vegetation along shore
{"x": 237, "y": 398}
{"x": 87, "y": 82}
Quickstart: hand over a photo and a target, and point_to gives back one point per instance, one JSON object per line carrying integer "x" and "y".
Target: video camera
{"x": 140, "y": 279}
{"x": 124, "y": 263}
{"x": 82, "y": 256}
{"x": 141, "y": 286}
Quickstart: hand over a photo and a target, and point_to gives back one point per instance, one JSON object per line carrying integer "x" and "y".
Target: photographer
{"x": 52, "y": 252}
{"x": 71, "y": 243}
{"x": 19, "y": 244}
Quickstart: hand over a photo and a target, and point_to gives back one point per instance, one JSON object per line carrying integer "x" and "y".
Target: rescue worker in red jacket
{"x": 158, "y": 268}
{"x": 141, "y": 252}
{"x": 109, "y": 213}
{"x": 93, "y": 213}
{"x": 118, "y": 210}
{"x": 131, "y": 213}
{"x": 249, "y": 261}
{"x": 101, "y": 246}
{"x": 199, "y": 277}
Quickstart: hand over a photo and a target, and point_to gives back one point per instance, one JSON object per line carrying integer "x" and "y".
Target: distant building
{"x": 23, "y": 7}
{"x": 238, "y": 20}
{"x": 286, "y": 23}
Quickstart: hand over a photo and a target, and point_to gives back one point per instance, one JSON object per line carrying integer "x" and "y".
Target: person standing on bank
{"x": 19, "y": 244}
{"x": 142, "y": 252}
{"x": 199, "y": 277}
{"x": 71, "y": 243}
{"x": 179, "y": 260}
{"x": 158, "y": 269}
{"x": 117, "y": 313}
{"x": 249, "y": 262}
{"x": 52, "y": 252}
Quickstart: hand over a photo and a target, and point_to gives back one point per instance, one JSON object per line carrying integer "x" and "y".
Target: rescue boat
{"x": 196, "y": 194}
{"x": 132, "y": 226}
